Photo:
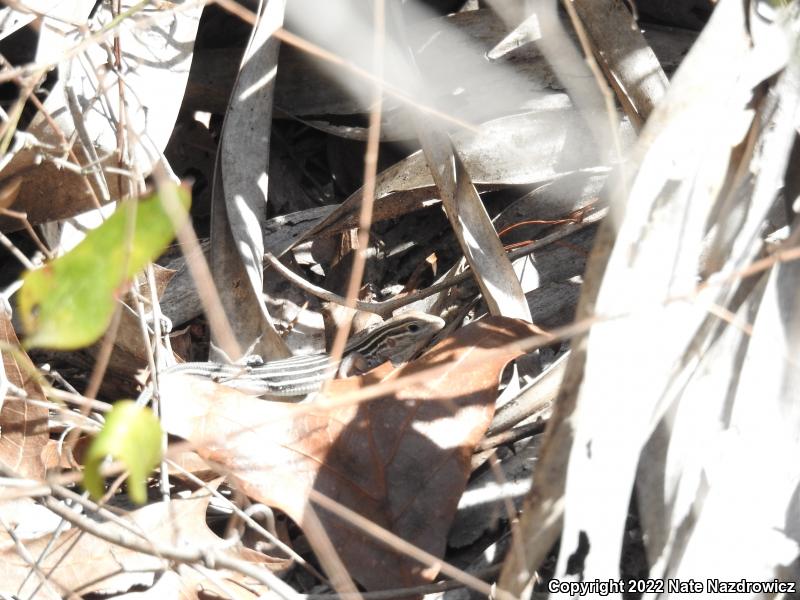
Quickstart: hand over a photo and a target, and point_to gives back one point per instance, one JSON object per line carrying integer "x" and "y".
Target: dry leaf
{"x": 491, "y": 268}
{"x": 169, "y": 585}
{"x": 239, "y": 198}
{"x": 129, "y": 355}
{"x": 155, "y": 66}
{"x": 23, "y": 427}
{"x": 56, "y": 454}
{"x": 9, "y": 189}
{"x": 401, "y": 461}
{"x": 698, "y": 152}
{"x": 632, "y": 67}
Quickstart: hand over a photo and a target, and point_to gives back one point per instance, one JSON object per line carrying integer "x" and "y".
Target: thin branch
{"x": 16, "y": 252}
{"x": 370, "y": 175}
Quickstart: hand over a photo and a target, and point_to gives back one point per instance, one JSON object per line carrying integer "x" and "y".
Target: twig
{"x": 89, "y": 40}
{"x": 104, "y": 354}
{"x": 511, "y": 436}
{"x": 86, "y": 141}
{"x": 25, "y": 555}
{"x": 197, "y": 265}
{"x": 315, "y": 289}
{"x": 370, "y": 175}
{"x": 9, "y": 127}
{"x": 65, "y": 145}
{"x": 23, "y": 218}
{"x": 36, "y": 567}
{"x": 605, "y": 91}
{"x": 77, "y": 399}
{"x": 16, "y": 252}
{"x": 319, "y": 538}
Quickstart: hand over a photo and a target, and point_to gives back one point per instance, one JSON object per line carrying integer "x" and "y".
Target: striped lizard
{"x": 397, "y": 340}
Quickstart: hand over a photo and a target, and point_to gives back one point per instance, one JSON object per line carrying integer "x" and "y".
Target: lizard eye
{"x": 413, "y": 328}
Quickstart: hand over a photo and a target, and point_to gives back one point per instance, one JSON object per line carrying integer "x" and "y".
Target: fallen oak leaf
{"x": 401, "y": 460}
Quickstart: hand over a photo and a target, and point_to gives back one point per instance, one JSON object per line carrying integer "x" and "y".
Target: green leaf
{"x": 69, "y": 302}
{"x": 131, "y": 435}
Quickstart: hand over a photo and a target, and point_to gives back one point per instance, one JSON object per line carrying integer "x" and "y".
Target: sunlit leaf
{"x": 69, "y": 302}
{"x": 132, "y": 435}
{"x": 401, "y": 460}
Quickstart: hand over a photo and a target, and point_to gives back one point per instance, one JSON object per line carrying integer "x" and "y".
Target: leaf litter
{"x": 488, "y": 206}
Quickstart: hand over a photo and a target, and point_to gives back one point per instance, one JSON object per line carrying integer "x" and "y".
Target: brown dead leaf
{"x": 154, "y": 67}
{"x": 401, "y": 461}
{"x": 66, "y": 193}
{"x": 55, "y": 455}
{"x": 83, "y": 563}
{"x": 23, "y": 427}
{"x": 190, "y": 462}
{"x": 162, "y": 276}
{"x": 9, "y": 189}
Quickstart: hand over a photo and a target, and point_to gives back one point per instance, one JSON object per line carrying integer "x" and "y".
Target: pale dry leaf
{"x": 567, "y": 62}
{"x": 735, "y": 416}
{"x": 170, "y": 585}
{"x": 308, "y": 87}
{"x": 683, "y": 161}
{"x": 27, "y": 519}
{"x": 607, "y": 410}
{"x": 719, "y": 437}
{"x": 623, "y": 53}
{"x": 23, "y": 426}
{"x": 450, "y": 50}
{"x": 17, "y": 15}
{"x": 491, "y": 268}
{"x": 239, "y": 197}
